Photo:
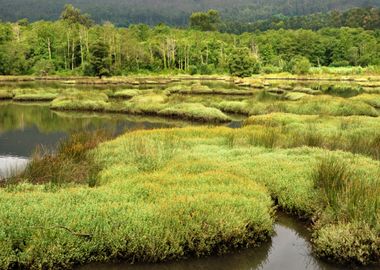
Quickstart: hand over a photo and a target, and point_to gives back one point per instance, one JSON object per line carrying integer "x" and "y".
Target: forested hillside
{"x": 367, "y": 18}
{"x": 73, "y": 45}
{"x": 174, "y": 12}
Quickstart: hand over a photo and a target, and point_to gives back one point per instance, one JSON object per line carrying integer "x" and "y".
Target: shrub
{"x": 242, "y": 64}
{"x": 299, "y": 65}
{"x": 44, "y": 68}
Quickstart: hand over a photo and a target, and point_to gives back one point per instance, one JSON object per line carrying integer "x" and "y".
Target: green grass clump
{"x": 370, "y": 99}
{"x": 174, "y": 193}
{"x": 72, "y": 162}
{"x": 87, "y": 101}
{"x": 178, "y": 88}
{"x": 351, "y": 200}
{"x": 347, "y": 243}
{"x": 195, "y": 111}
{"x": 126, "y": 93}
{"x": 306, "y": 90}
{"x": 171, "y": 209}
{"x": 35, "y": 97}
{"x": 356, "y": 134}
{"x": 299, "y": 103}
{"x": 145, "y": 104}
{"x": 344, "y": 90}
{"x": 6, "y": 94}
{"x": 321, "y": 105}
{"x": 239, "y": 107}
{"x": 295, "y": 96}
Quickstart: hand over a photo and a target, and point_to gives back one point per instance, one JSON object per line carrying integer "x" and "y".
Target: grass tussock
{"x": 358, "y": 135}
{"x": 91, "y": 101}
{"x": 344, "y": 90}
{"x": 351, "y": 208}
{"x": 174, "y": 193}
{"x": 72, "y": 162}
{"x": 298, "y": 103}
{"x": 126, "y": 93}
{"x": 6, "y": 94}
{"x": 371, "y": 99}
{"x": 195, "y": 111}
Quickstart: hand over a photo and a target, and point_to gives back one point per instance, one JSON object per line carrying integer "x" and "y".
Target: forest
{"x": 172, "y": 12}
{"x": 75, "y": 45}
{"x": 367, "y": 18}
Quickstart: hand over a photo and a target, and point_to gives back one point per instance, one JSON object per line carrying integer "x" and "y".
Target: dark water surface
{"x": 24, "y": 126}
{"x": 289, "y": 249}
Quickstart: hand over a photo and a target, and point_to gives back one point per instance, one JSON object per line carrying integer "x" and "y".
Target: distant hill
{"x": 173, "y": 12}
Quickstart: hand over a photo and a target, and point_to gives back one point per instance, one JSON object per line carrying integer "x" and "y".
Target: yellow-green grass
{"x": 199, "y": 89}
{"x": 288, "y": 174}
{"x": 356, "y": 134}
{"x": 6, "y": 94}
{"x": 146, "y": 104}
{"x": 35, "y": 97}
{"x": 309, "y": 105}
{"x": 91, "y": 101}
{"x": 28, "y": 94}
{"x": 370, "y": 99}
{"x": 126, "y": 93}
{"x": 306, "y": 90}
{"x": 295, "y": 96}
{"x": 173, "y": 193}
{"x": 194, "y": 111}
{"x": 154, "y": 208}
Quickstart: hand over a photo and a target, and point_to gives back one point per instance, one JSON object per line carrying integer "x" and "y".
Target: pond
{"x": 25, "y": 126}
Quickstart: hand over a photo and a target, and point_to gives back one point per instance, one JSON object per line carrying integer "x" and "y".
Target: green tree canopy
{"x": 205, "y": 21}
{"x": 242, "y": 64}
{"x": 73, "y": 15}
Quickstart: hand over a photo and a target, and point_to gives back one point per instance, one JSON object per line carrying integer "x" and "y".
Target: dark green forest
{"x": 367, "y": 18}
{"x": 172, "y": 12}
{"x": 75, "y": 45}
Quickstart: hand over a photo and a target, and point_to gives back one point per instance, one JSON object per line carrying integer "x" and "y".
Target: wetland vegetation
{"x": 311, "y": 149}
{"x": 153, "y": 144}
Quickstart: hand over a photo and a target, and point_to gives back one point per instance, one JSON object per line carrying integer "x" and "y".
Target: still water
{"x": 24, "y": 126}
{"x": 289, "y": 249}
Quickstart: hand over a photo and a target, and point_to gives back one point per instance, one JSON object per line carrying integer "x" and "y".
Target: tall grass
{"x": 71, "y": 162}
{"x": 348, "y": 198}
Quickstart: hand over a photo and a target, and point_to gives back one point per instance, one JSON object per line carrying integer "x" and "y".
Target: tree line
{"x": 367, "y": 18}
{"x": 172, "y": 12}
{"x": 75, "y": 45}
